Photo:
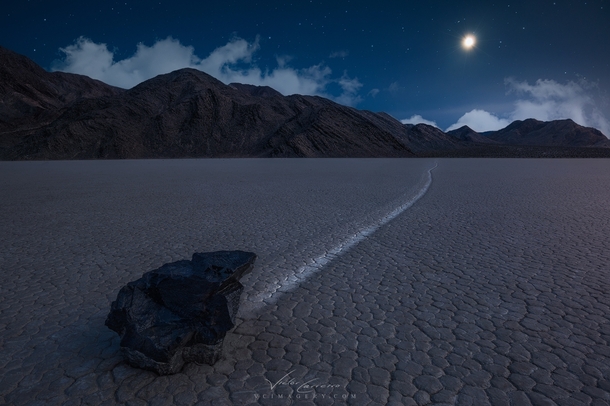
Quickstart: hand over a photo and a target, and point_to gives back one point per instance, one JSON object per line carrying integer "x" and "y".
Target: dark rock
{"x": 180, "y": 312}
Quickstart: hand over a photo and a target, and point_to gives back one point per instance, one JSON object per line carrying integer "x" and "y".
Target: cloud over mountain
{"x": 480, "y": 121}
{"x": 417, "y": 119}
{"x": 545, "y": 100}
{"x": 548, "y": 100}
{"x": 232, "y": 62}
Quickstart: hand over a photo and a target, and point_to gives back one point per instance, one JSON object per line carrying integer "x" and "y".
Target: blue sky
{"x": 540, "y": 59}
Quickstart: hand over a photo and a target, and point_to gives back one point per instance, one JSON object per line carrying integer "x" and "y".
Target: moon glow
{"x": 469, "y": 41}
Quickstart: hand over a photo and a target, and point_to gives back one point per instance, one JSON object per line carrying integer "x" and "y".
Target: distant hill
{"x": 466, "y": 133}
{"x": 423, "y": 138}
{"x": 188, "y": 113}
{"x": 565, "y": 133}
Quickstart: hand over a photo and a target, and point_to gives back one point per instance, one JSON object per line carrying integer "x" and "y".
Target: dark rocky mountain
{"x": 466, "y": 133}
{"x": 188, "y": 113}
{"x": 31, "y": 97}
{"x": 564, "y": 133}
{"x": 424, "y": 138}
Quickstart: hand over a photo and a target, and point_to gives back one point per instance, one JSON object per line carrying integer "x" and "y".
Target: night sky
{"x": 535, "y": 58}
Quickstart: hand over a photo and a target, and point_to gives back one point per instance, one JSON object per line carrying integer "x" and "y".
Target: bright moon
{"x": 469, "y": 41}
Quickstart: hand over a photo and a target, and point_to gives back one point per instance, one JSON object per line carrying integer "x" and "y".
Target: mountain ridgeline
{"x": 188, "y": 114}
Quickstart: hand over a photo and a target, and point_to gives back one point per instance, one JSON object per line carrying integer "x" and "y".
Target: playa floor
{"x": 378, "y": 281}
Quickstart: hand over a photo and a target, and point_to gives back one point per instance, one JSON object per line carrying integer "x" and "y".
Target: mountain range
{"x": 187, "y": 113}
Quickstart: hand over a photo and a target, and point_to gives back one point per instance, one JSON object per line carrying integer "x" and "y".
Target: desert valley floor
{"x": 378, "y": 281}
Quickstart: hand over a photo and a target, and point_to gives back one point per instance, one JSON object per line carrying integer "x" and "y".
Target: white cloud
{"x": 85, "y": 57}
{"x": 549, "y": 100}
{"x": 480, "y": 121}
{"x": 219, "y": 61}
{"x": 545, "y": 100}
{"x": 417, "y": 119}
{"x": 232, "y": 62}
{"x": 394, "y": 87}
{"x": 373, "y": 92}
{"x": 350, "y": 88}
{"x": 339, "y": 54}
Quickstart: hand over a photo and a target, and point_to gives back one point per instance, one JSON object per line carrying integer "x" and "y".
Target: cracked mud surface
{"x": 493, "y": 288}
